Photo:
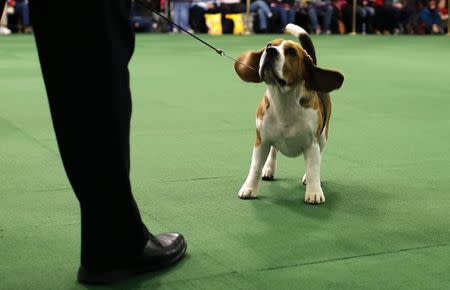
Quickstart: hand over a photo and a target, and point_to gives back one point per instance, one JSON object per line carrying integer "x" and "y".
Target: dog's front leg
{"x": 250, "y": 187}
{"x": 314, "y": 193}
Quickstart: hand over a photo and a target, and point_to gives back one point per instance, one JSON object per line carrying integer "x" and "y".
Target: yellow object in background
{"x": 238, "y": 23}
{"x": 214, "y": 23}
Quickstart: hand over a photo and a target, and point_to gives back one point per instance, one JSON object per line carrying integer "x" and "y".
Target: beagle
{"x": 294, "y": 114}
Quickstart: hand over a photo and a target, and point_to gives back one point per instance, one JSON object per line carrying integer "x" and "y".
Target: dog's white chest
{"x": 291, "y": 130}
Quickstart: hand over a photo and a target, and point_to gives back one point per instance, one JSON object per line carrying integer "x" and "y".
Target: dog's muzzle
{"x": 271, "y": 55}
{"x": 268, "y": 73}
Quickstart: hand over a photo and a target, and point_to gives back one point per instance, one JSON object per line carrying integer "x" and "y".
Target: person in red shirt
{"x": 386, "y": 17}
{"x": 443, "y": 12}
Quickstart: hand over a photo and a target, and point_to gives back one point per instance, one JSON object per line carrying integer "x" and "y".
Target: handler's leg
{"x": 87, "y": 81}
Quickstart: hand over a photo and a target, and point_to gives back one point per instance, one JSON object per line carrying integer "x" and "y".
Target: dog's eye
{"x": 269, "y": 45}
{"x": 290, "y": 51}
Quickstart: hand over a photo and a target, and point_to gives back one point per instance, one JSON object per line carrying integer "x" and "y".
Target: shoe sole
{"x": 121, "y": 275}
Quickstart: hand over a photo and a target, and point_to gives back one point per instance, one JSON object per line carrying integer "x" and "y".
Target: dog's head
{"x": 285, "y": 63}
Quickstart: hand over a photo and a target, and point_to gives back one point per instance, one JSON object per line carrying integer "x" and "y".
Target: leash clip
{"x": 220, "y": 52}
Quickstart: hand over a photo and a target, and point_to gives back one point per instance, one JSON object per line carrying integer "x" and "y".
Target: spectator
{"x": 430, "y": 19}
{"x": 230, "y": 7}
{"x": 347, "y": 16}
{"x": 264, "y": 13}
{"x": 399, "y": 9}
{"x": 3, "y": 23}
{"x": 344, "y": 11}
{"x": 22, "y": 11}
{"x": 339, "y": 6}
{"x": 411, "y": 11}
{"x": 366, "y": 14}
{"x": 197, "y": 14}
{"x": 181, "y": 14}
{"x": 386, "y": 17}
{"x": 443, "y": 12}
{"x": 323, "y": 8}
{"x": 285, "y": 9}
{"x": 141, "y": 17}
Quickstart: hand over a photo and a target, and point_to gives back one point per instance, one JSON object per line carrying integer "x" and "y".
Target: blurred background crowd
{"x": 271, "y": 16}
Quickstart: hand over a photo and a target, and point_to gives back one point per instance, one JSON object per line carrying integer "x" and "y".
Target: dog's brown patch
{"x": 293, "y": 68}
{"x": 310, "y": 99}
{"x": 263, "y": 106}
{"x": 320, "y": 112}
{"x": 258, "y": 138}
{"x": 328, "y": 106}
{"x": 319, "y": 123}
{"x": 276, "y": 42}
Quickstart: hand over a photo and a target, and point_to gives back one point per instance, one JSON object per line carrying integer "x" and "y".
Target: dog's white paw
{"x": 247, "y": 193}
{"x": 304, "y": 179}
{"x": 268, "y": 174}
{"x": 314, "y": 197}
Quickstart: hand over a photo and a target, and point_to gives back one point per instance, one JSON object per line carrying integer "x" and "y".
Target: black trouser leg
{"x": 85, "y": 72}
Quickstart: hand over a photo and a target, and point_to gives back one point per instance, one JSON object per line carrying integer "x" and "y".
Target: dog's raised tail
{"x": 304, "y": 39}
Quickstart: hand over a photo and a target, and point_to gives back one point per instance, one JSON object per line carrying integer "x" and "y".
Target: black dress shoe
{"x": 160, "y": 252}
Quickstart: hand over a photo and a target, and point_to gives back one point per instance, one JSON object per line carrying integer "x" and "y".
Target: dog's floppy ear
{"x": 319, "y": 79}
{"x": 250, "y": 58}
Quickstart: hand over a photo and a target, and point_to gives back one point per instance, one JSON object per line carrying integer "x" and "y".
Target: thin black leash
{"x": 217, "y": 50}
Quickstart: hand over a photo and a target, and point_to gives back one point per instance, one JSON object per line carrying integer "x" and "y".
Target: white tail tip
{"x": 295, "y": 30}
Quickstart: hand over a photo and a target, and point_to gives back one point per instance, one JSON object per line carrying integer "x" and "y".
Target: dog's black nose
{"x": 271, "y": 51}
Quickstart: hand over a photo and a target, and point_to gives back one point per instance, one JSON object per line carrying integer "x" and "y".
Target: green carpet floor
{"x": 386, "y": 223}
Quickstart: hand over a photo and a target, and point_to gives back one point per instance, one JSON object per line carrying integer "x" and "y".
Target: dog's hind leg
{"x": 268, "y": 172}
